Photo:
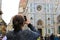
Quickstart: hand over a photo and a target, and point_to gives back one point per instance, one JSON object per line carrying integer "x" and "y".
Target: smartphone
{"x": 25, "y": 18}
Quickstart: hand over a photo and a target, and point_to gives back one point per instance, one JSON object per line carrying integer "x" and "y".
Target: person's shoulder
{"x": 9, "y": 33}
{"x": 29, "y": 31}
{"x": 32, "y": 33}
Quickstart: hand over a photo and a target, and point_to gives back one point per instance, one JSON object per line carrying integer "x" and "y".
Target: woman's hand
{"x": 27, "y": 22}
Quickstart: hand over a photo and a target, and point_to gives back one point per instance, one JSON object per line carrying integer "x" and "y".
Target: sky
{"x": 9, "y": 8}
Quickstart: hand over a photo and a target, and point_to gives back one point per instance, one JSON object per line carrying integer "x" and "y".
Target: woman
{"x": 18, "y": 33}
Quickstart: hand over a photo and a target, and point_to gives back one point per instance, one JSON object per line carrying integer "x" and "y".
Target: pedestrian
{"x": 18, "y": 33}
{"x": 52, "y": 36}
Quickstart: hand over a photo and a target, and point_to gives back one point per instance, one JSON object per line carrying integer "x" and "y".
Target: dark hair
{"x": 18, "y": 22}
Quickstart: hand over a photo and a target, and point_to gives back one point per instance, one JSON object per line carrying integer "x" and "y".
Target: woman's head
{"x": 18, "y": 22}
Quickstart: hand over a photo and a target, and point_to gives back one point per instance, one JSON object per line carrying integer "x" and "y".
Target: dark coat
{"x": 32, "y": 34}
{"x": 22, "y": 35}
{"x": 52, "y": 37}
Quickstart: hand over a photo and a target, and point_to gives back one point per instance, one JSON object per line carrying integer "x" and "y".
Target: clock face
{"x": 39, "y": 7}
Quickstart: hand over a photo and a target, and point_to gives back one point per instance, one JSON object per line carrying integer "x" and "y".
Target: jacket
{"x": 23, "y": 34}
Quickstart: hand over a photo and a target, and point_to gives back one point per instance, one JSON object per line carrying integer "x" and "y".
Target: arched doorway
{"x": 40, "y": 26}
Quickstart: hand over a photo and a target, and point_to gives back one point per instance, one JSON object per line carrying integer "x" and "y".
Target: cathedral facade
{"x": 44, "y": 15}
